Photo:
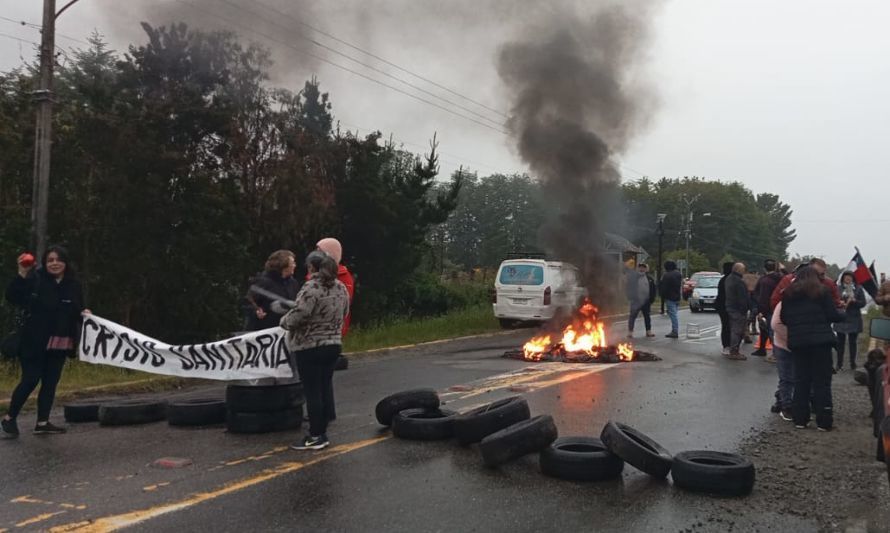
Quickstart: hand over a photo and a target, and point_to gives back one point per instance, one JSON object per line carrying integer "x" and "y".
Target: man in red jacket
{"x": 821, "y": 268}
{"x": 333, "y": 248}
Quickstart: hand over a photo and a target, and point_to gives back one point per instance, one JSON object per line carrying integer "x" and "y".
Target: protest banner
{"x": 254, "y": 355}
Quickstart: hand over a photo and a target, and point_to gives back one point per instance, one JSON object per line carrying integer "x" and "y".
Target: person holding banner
{"x": 52, "y": 300}
{"x": 277, "y": 279}
{"x": 853, "y": 298}
{"x": 314, "y": 335}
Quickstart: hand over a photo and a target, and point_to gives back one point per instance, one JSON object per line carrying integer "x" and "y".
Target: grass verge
{"x": 85, "y": 379}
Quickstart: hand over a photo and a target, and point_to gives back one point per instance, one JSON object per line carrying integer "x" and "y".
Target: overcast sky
{"x": 786, "y": 97}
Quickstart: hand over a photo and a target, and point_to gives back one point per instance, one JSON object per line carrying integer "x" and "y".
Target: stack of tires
{"x": 116, "y": 411}
{"x": 264, "y": 408}
{"x": 505, "y": 431}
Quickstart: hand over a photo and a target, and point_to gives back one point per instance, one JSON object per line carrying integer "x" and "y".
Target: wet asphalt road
{"x": 100, "y": 478}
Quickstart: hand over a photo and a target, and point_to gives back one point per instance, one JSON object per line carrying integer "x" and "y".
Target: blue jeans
{"x": 785, "y": 367}
{"x": 673, "y": 308}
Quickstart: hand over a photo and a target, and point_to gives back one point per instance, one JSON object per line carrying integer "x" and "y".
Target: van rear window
{"x": 522, "y": 275}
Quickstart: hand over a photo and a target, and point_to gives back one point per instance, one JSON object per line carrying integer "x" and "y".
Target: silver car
{"x": 705, "y": 294}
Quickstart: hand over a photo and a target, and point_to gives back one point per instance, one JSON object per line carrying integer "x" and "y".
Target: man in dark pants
{"x": 720, "y": 305}
{"x": 738, "y": 303}
{"x": 766, "y": 284}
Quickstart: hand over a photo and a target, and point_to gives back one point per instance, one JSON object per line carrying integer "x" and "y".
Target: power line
{"x": 390, "y": 63}
{"x": 40, "y": 28}
{"x": 19, "y": 39}
{"x": 359, "y": 62}
{"x": 347, "y": 69}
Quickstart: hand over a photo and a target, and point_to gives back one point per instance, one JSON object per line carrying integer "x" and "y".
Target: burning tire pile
{"x": 505, "y": 431}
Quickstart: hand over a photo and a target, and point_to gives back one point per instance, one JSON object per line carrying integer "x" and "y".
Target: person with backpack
{"x": 51, "y": 299}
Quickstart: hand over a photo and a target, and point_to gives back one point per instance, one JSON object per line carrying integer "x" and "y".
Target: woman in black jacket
{"x": 278, "y": 279}
{"x": 52, "y": 301}
{"x": 853, "y": 298}
{"x": 808, "y": 310}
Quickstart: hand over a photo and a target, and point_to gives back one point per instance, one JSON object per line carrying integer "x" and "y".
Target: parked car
{"x": 535, "y": 290}
{"x": 690, "y": 283}
{"x": 704, "y": 294}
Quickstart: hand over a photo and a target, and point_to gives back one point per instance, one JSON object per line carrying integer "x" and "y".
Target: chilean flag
{"x": 863, "y": 275}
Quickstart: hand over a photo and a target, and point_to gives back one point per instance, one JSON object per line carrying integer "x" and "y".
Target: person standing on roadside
{"x": 821, "y": 268}
{"x": 784, "y": 366}
{"x": 314, "y": 336}
{"x": 808, "y": 311}
{"x": 640, "y": 290}
{"x": 52, "y": 300}
{"x": 738, "y": 303}
{"x": 720, "y": 305}
{"x": 277, "y": 279}
{"x": 853, "y": 297}
{"x": 883, "y": 297}
{"x": 333, "y": 248}
{"x": 670, "y": 288}
{"x": 766, "y": 284}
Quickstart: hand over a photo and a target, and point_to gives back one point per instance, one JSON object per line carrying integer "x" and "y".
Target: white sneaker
{"x": 725, "y": 351}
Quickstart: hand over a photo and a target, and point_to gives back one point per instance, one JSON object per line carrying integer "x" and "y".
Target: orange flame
{"x": 585, "y": 335}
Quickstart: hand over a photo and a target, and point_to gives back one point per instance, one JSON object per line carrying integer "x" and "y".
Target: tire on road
{"x": 196, "y": 412}
{"x": 721, "y": 473}
{"x": 267, "y": 422}
{"x": 580, "y": 459}
{"x": 85, "y": 411}
{"x": 131, "y": 412}
{"x": 522, "y": 438}
{"x": 636, "y": 449}
{"x": 342, "y": 363}
{"x": 387, "y": 408}
{"x": 263, "y": 398}
{"x": 476, "y": 424}
{"x": 424, "y": 424}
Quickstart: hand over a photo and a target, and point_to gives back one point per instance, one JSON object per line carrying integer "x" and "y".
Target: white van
{"x": 534, "y": 290}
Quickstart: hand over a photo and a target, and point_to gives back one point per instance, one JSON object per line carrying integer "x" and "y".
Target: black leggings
{"x": 316, "y": 368}
{"x": 725, "y": 329}
{"x": 44, "y": 368}
{"x": 841, "y": 340}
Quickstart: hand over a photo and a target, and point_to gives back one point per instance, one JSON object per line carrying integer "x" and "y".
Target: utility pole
{"x": 43, "y": 130}
{"x": 660, "y": 232}
{"x": 689, "y": 203}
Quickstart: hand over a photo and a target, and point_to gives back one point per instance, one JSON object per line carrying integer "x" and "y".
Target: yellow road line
{"x": 114, "y": 522}
{"x": 27, "y": 498}
{"x": 38, "y": 518}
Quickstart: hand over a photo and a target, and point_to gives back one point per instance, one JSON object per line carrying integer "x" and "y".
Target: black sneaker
{"x": 776, "y": 408}
{"x": 824, "y": 428}
{"x": 786, "y": 415}
{"x": 312, "y": 443}
{"x": 760, "y": 352}
{"x": 672, "y": 335}
{"x": 48, "y": 429}
{"x": 10, "y": 428}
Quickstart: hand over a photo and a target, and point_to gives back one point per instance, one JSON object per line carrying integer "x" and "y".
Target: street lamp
{"x": 659, "y": 230}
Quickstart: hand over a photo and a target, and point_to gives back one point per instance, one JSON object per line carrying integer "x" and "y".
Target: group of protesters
{"x": 805, "y": 316}
{"x": 314, "y": 313}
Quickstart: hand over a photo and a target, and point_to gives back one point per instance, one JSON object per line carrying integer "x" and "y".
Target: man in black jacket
{"x": 766, "y": 284}
{"x": 738, "y": 303}
{"x": 720, "y": 305}
{"x": 669, "y": 288}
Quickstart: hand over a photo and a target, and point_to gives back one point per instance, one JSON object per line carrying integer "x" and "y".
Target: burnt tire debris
{"x": 474, "y": 425}
{"x": 131, "y": 412}
{"x": 390, "y": 406}
{"x": 522, "y": 438}
{"x": 196, "y": 412}
{"x": 721, "y": 473}
{"x": 637, "y": 449}
{"x": 424, "y": 424}
{"x": 580, "y": 459}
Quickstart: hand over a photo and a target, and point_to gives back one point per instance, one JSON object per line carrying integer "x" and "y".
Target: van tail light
{"x": 547, "y": 296}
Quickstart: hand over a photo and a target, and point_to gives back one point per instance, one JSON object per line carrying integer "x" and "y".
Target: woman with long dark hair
{"x": 808, "y": 310}
{"x": 314, "y": 336}
{"x": 853, "y": 298}
{"x": 52, "y": 301}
